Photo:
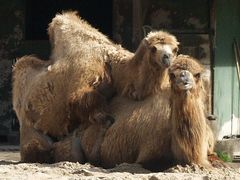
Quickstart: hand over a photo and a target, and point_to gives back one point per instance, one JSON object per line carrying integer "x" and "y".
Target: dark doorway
{"x": 39, "y": 14}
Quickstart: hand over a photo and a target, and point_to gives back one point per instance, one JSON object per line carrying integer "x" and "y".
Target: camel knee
{"x": 68, "y": 149}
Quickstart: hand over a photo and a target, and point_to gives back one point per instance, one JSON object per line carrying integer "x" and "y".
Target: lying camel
{"x": 166, "y": 128}
{"x": 43, "y": 96}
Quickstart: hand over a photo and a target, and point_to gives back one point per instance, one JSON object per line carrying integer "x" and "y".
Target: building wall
{"x": 226, "y": 83}
{"x": 11, "y": 35}
{"x": 13, "y": 44}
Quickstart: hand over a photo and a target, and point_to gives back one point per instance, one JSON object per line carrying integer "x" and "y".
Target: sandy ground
{"x": 11, "y": 168}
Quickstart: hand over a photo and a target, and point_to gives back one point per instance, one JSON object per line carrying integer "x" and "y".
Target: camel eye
{"x": 175, "y": 50}
{"x": 198, "y": 75}
{"x": 172, "y": 76}
{"x": 153, "y": 49}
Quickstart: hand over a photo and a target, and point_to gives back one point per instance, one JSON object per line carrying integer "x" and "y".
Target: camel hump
{"x": 29, "y": 62}
{"x": 68, "y": 15}
{"x": 60, "y": 21}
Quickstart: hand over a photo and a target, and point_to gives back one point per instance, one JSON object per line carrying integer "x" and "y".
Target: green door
{"x": 226, "y": 82}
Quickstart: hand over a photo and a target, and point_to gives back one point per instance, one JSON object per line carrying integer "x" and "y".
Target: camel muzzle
{"x": 166, "y": 61}
{"x": 185, "y": 82}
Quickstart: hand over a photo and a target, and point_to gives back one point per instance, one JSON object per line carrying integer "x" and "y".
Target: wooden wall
{"x": 226, "y": 83}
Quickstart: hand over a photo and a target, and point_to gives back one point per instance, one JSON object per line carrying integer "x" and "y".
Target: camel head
{"x": 185, "y": 74}
{"x": 162, "y": 48}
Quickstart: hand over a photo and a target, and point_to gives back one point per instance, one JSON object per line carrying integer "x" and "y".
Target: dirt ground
{"x": 11, "y": 168}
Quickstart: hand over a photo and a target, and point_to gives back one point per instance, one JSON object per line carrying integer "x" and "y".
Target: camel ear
{"x": 171, "y": 76}
{"x": 145, "y": 42}
{"x": 175, "y": 50}
{"x": 153, "y": 48}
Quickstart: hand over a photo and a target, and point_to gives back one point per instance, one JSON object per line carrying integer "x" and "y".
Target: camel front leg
{"x": 35, "y": 146}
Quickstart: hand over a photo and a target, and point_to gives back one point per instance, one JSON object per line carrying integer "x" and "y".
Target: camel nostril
{"x": 166, "y": 56}
{"x": 186, "y": 83}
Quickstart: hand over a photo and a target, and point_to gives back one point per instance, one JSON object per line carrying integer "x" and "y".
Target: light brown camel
{"x": 154, "y": 131}
{"x": 43, "y": 96}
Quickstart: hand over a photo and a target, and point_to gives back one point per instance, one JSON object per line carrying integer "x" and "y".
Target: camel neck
{"x": 188, "y": 126}
{"x": 188, "y": 118}
{"x": 153, "y": 78}
{"x": 117, "y": 55}
{"x": 135, "y": 77}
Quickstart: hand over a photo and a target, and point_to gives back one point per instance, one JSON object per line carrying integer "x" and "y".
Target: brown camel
{"x": 166, "y": 128}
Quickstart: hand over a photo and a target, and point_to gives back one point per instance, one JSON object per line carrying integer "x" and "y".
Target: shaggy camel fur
{"x": 191, "y": 136}
{"x": 44, "y": 99}
{"x": 139, "y": 136}
{"x": 135, "y": 75}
